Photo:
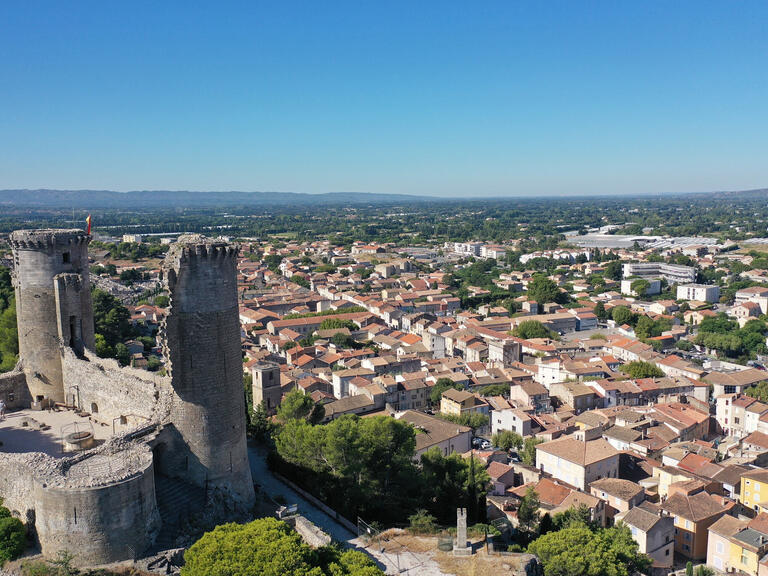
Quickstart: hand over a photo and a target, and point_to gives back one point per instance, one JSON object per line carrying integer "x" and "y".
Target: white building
{"x": 700, "y": 292}
{"x": 672, "y": 273}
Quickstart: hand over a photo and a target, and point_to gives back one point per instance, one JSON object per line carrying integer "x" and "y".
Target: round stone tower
{"x": 53, "y": 304}
{"x": 202, "y": 344}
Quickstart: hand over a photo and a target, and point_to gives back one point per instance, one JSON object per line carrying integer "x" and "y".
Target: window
{"x": 735, "y": 420}
{"x": 757, "y": 486}
{"x": 744, "y": 557}
{"x": 687, "y": 524}
{"x": 666, "y": 552}
{"x": 719, "y": 547}
{"x": 65, "y": 258}
{"x": 686, "y": 547}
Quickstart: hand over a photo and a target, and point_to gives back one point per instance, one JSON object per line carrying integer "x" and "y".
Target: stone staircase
{"x": 177, "y": 501}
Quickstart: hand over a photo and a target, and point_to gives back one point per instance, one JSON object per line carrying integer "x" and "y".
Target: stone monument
{"x": 462, "y": 547}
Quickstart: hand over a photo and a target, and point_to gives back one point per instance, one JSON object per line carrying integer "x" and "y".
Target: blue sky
{"x": 442, "y": 98}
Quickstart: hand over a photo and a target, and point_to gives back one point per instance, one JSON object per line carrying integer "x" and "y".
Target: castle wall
{"x": 121, "y": 397}
{"x": 16, "y": 485}
{"x": 13, "y": 390}
{"x": 101, "y": 524}
{"x": 202, "y": 344}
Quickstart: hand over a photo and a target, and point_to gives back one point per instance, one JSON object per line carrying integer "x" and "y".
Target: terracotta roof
{"x": 623, "y": 489}
{"x": 728, "y": 525}
{"x": 578, "y": 452}
{"x": 641, "y": 519}
{"x": 694, "y": 507}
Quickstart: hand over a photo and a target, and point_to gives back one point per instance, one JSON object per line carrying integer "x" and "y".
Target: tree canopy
{"x": 298, "y": 406}
{"x": 506, "y": 440}
{"x": 543, "y": 290}
{"x": 578, "y": 551}
{"x": 642, "y": 369}
{"x": 269, "y": 547}
{"x": 13, "y": 536}
{"x": 528, "y": 329}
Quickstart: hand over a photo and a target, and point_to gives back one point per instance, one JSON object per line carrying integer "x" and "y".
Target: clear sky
{"x": 418, "y": 97}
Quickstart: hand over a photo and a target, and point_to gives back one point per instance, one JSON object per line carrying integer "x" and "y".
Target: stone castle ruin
{"x": 103, "y": 461}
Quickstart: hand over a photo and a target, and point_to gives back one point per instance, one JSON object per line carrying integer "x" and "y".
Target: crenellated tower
{"x": 53, "y": 304}
{"x": 201, "y": 341}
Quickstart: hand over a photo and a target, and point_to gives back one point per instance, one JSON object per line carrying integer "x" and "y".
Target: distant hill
{"x": 149, "y": 199}
{"x": 106, "y": 199}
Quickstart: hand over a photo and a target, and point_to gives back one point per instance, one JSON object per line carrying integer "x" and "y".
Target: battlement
{"x": 48, "y": 238}
{"x": 69, "y": 280}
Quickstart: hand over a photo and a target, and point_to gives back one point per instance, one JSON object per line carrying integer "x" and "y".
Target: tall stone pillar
{"x": 53, "y": 304}
{"x": 201, "y": 340}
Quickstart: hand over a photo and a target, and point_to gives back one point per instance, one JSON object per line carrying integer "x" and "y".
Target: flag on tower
{"x": 88, "y": 221}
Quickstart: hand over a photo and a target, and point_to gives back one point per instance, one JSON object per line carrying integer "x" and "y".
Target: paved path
{"x": 404, "y": 563}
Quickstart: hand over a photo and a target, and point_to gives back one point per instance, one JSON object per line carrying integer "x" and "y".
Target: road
{"x": 409, "y": 563}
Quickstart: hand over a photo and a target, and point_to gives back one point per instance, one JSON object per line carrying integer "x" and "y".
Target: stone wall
{"x": 120, "y": 397}
{"x": 13, "y": 390}
{"x": 311, "y": 534}
{"x": 99, "y": 524}
{"x": 100, "y": 505}
{"x": 16, "y": 474}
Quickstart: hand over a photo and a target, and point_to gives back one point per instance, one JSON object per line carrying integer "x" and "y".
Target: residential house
{"x": 653, "y": 532}
{"x": 433, "y": 432}
{"x": 460, "y": 402}
{"x": 577, "y": 462}
{"x": 619, "y": 495}
{"x": 737, "y": 545}
{"x": 693, "y": 514}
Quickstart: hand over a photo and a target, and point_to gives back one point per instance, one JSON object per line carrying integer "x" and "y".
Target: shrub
{"x": 422, "y": 523}
{"x": 12, "y": 538}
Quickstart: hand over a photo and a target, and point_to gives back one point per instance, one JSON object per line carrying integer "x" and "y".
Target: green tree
{"x": 334, "y": 323}
{"x": 422, "y": 522}
{"x": 111, "y": 319}
{"x": 13, "y": 539}
{"x": 601, "y": 312}
{"x": 640, "y": 286}
{"x": 528, "y": 329}
{"x": 528, "y": 455}
{"x": 473, "y": 420}
{"x": 575, "y": 515}
{"x": 453, "y": 481}
{"x": 103, "y": 350}
{"x": 528, "y": 511}
{"x": 343, "y": 340}
{"x": 543, "y": 290}
{"x": 577, "y": 551}
{"x": 613, "y": 270}
{"x": 162, "y": 301}
{"x": 300, "y": 280}
{"x": 495, "y": 390}
{"x": 760, "y": 391}
{"x": 298, "y": 406}
{"x": 685, "y": 345}
{"x": 622, "y": 315}
{"x": 442, "y": 384}
{"x": 268, "y": 547}
{"x": 507, "y": 439}
{"x": 9, "y": 337}
{"x": 642, "y": 369}
{"x": 122, "y": 354}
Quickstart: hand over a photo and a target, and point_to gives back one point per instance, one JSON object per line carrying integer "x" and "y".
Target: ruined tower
{"x": 202, "y": 345}
{"x": 53, "y": 304}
